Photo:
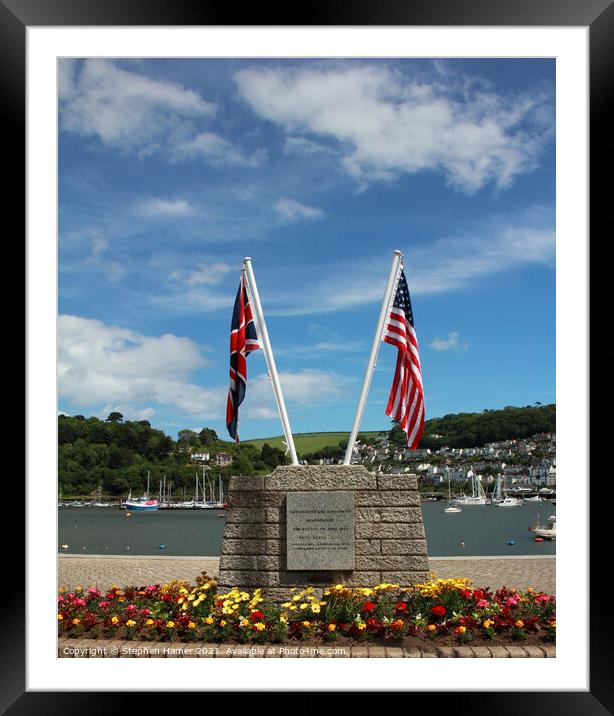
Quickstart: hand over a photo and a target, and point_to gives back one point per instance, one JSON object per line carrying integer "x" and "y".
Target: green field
{"x": 308, "y": 442}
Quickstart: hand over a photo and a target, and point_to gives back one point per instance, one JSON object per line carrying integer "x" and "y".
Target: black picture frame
{"x": 597, "y": 15}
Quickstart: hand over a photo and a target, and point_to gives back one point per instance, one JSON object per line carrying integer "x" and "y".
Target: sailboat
{"x": 205, "y": 505}
{"x": 477, "y": 497}
{"x": 99, "y": 502}
{"x": 497, "y": 496}
{"x": 142, "y": 504}
{"x": 451, "y": 508}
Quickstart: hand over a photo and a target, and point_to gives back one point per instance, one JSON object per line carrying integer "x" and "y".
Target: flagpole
{"x": 268, "y": 355}
{"x": 397, "y": 263}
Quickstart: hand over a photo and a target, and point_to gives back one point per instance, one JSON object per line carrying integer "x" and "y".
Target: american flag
{"x": 243, "y": 340}
{"x": 406, "y": 401}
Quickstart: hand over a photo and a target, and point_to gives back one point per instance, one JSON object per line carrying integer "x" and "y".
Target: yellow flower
{"x": 487, "y": 623}
{"x": 462, "y": 629}
{"x": 130, "y": 623}
{"x": 519, "y": 624}
{"x": 293, "y": 607}
{"x": 304, "y": 605}
{"x": 60, "y": 618}
{"x": 283, "y": 617}
{"x": 114, "y": 620}
{"x": 530, "y": 589}
{"x": 191, "y": 625}
{"x": 338, "y": 586}
{"x": 209, "y": 620}
{"x": 361, "y": 626}
{"x": 431, "y": 627}
{"x": 223, "y": 623}
{"x": 285, "y": 605}
{"x": 332, "y": 627}
{"x": 306, "y": 624}
{"x": 170, "y": 625}
{"x": 296, "y": 598}
{"x": 315, "y": 608}
{"x": 76, "y": 621}
{"x": 260, "y": 626}
{"x": 78, "y": 589}
{"x": 244, "y": 622}
{"x": 149, "y": 622}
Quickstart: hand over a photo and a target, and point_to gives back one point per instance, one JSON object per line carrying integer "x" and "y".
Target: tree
{"x": 207, "y": 436}
{"x": 115, "y": 418}
{"x": 187, "y": 437}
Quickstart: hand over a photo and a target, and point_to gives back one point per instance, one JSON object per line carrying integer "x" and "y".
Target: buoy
{"x": 511, "y": 541}
{"x": 127, "y": 547}
{"x": 162, "y": 546}
{"x": 84, "y": 548}
{"x": 64, "y": 546}
{"x": 539, "y": 539}
{"x": 128, "y": 514}
{"x": 462, "y": 544}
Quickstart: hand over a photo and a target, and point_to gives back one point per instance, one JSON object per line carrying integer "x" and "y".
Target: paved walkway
{"x": 103, "y": 571}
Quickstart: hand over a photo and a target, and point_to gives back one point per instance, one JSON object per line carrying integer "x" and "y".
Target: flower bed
{"x": 443, "y": 610}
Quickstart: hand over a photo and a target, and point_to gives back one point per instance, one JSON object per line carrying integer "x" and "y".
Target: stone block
{"x": 292, "y": 478}
{"x": 240, "y": 483}
{"x": 401, "y": 546}
{"x": 242, "y": 562}
{"x": 368, "y": 546}
{"x": 262, "y": 498}
{"x": 405, "y": 579}
{"x": 274, "y": 515}
{"x": 384, "y": 562}
{"x": 245, "y": 530}
{"x": 401, "y": 514}
{"x": 391, "y": 498}
{"x": 253, "y": 546}
{"x": 390, "y": 530}
{"x": 397, "y": 482}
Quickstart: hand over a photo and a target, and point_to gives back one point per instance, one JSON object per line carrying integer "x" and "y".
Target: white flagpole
{"x": 268, "y": 355}
{"x": 397, "y": 264}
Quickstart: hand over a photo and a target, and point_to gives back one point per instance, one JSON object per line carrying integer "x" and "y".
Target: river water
{"x": 476, "y": 531}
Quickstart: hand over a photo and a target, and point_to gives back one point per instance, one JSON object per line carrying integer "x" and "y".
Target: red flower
{"x": 368, "y": 606}
{"x": 439, "y": 610}
{"x": 372, "y": 623}
{"x": 466, "y": 594}
{"x": 256, "y": 616}
{"x": 401, "y": 606}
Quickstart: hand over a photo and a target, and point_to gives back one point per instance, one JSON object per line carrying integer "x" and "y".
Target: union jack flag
{"x": 406, "y": 401}
{"x": 243, "y": 340}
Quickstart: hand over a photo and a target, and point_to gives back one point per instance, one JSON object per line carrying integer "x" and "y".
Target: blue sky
{"x": 171, "y": 171}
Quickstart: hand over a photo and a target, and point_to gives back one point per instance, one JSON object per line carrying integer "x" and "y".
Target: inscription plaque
{"x": 320, "y": 530}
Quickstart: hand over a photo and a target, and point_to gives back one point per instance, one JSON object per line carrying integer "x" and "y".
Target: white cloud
{"x": 218, "y": 151}
{"x": 306, "y": 387}
{"x": 105, "y": 365}
{"x": 451, "y": 343}
{"x": 112, "y": 270}
{"x": 155, "y": 207}
{"x": 135, "y": 113}
{"x": 205, "y": 274}
{"x": 385, "y": 124}
{"x": 301, "y": 147}
{"x": 292, "y": 210}
{"x": 447, "y": 264}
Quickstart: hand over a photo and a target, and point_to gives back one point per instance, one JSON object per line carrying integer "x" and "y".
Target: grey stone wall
{"x": 389, "y": 531}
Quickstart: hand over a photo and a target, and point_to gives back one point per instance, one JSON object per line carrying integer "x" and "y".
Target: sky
{"x": 172, "y": 171}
